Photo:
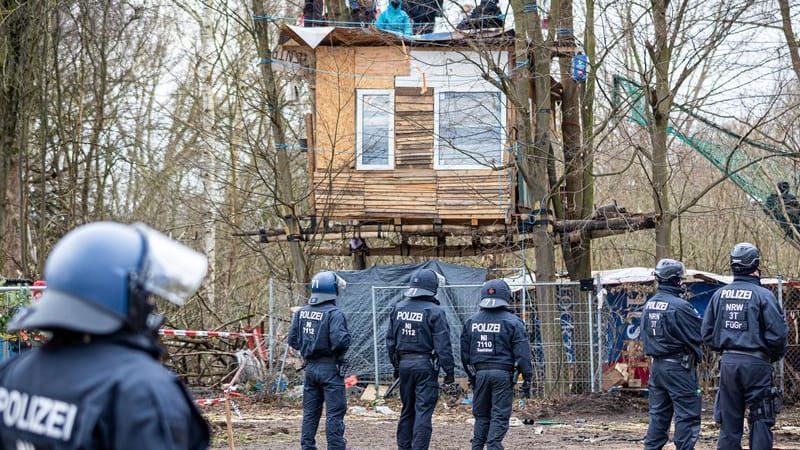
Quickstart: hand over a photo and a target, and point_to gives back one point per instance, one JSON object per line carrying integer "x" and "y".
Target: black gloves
{"x": 525, "y": 389}
{"x": 396, "y": 373}
{"x": 449, "y": 379}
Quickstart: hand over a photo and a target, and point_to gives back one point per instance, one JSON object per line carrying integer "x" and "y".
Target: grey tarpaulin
{"x": 459, "y": 304}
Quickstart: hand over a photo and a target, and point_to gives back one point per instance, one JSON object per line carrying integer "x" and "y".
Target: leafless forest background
{"x": 161, "y": 111}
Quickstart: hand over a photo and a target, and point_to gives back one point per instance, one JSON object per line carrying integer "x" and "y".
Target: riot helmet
{"x": 100, "y": 278}
{"x": 325, "y": 287}
{"x": 745, "y": 258}
{"x": 670, "y": 271}
{"x": 424, "y": 283}
{"x": 495, "y": 294}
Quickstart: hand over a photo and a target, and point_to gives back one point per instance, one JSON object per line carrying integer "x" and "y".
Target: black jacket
{"x": 419, "y": 325}
{"x": 745, "y": 316}
{"x": 670, "y": 325}
{"x": 496, "y": 336}
{"x": 105, "y": 393}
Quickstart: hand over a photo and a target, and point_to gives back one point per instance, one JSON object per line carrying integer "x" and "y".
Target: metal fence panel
{"x": 580, "y": 344}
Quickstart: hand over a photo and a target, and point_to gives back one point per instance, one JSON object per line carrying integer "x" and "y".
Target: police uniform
{"x": 319, "y": 332}
{"x": 493, "y": 345}
{"x": 746, "y": 324}
{"x": 97, "y": 383}
{"x": 109, "y": 392}
{"x": 672, "y": 338}
{"x": 417, "y": 335}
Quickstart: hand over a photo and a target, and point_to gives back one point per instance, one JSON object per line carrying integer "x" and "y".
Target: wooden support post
{"x": 229, "y": 421}
{"x": 359, "y": 260}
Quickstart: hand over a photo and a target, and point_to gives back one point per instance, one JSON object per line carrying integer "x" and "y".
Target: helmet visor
{"x": 171, "y": 270}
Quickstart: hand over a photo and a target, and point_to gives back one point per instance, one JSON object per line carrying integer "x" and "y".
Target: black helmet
{"x": 495, "y": 294}
{"x": 424, "y": 283}
{"x": 669, "y": 271}
{"x": 745, "y": 258}
{"x": 783, "y": 186}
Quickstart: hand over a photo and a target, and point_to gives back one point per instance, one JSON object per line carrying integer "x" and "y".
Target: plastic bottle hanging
{"x": 579, "y": 65}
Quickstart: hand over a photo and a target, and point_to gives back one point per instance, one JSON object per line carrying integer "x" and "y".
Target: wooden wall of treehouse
{"x": 413, "y": 186}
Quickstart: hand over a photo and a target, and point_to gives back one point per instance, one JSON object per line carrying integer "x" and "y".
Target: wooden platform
{"x": 409, "y": 194}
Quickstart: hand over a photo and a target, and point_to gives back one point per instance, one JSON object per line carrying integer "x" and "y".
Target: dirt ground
{"x": 578, "y": 422}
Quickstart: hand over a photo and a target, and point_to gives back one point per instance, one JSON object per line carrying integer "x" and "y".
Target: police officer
{"x": 97, "y": 383}
{"x": 418, "y": 335}
{"x": 494, "y": 346}
{"x": 319, "y": 332}
{"x": 746, "y": 324}
{"x": 672, "y": 338}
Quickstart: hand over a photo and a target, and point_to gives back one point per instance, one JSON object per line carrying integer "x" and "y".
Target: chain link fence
{"x": 567, "y": 339}
{"x": 573, "y": 342}
{"x": 12, "y": 299}
{"x": 789, "y": 368}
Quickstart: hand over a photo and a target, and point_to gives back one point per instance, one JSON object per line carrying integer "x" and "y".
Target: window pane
{"x": 376, "y": 116}
{"x": 470, "y": 128}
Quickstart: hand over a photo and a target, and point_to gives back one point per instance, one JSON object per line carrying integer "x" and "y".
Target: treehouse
{"x": 408, "y": 133}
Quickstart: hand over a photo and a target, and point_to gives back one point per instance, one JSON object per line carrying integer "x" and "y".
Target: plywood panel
{"x": 382, "y": 61}
{"x": 335, "y": 108}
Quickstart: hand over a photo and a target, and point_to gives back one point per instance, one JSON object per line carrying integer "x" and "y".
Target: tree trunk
{"x": 577, "y": 185}
{"x": 13, "y": 30}
{"x": 791, "y": 40}
{"x": 535, "y": 160}
{"x": 661, "y": 103}
{"x": 282, "y": 169}
{"x": 208, "y": 169}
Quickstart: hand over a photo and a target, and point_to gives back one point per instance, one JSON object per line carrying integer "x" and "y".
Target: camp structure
{"x": 409, "y": 135}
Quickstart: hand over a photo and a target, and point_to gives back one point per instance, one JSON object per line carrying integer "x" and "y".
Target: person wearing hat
{"x": 671, "y": 336}
{"x": 494, "y": 346}
{"x": 417, "y": 337}
{"x": 97, "y": 383}
{"x": 319, "y": 332}
{"x": 746, "y": 324}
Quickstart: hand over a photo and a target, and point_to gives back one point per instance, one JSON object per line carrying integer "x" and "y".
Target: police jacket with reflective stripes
{"x": 419, "y": 325}
{"x": 320, "y": 331}
{"x": 745, "y": 316}
{"x": 496, "y": 336}
{"x": 107, "y": 393}
{"x": 670, "y": 325}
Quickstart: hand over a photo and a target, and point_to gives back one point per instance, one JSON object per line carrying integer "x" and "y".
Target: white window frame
{"x": 474, "y": 166}
{"x": 360, "y": 93}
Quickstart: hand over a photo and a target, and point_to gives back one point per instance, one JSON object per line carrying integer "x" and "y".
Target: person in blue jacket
{"x": 494, "y": 345}
{"x": 394, "y": 19}
{"x": 418, "y": 342}
{"x": 671, "y": 336}
{"x": 319, "y": 332}
{"x": 98, "y": 383}
{"x": 746, "y": 324}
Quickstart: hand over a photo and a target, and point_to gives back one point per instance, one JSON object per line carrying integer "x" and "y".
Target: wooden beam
{"x": 572, "y": 228}
{"x": 449, "y": 251}
{"x": 629, "y": 223}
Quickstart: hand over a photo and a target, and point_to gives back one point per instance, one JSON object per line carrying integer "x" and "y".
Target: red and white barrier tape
{"x": 216, "y": 401}
{"x": 198, "y": 333}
